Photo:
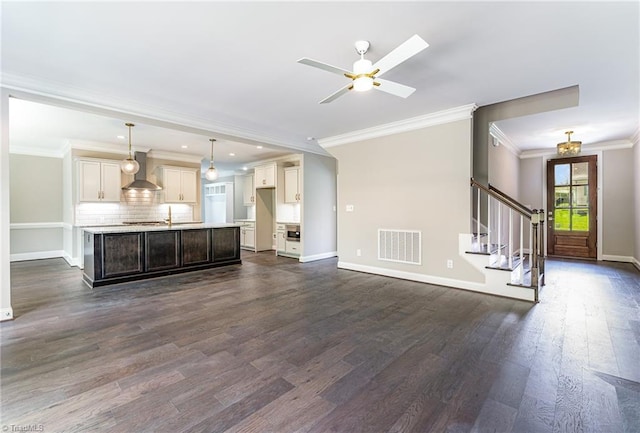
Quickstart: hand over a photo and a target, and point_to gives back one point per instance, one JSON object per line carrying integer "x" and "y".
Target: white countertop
{"x": 130, "y": 228}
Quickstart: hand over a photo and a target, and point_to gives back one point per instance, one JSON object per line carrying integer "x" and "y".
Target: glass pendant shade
{"x": 129, "y": 165}
{"x": 211, "y": 173}
{"x": 569, "y": 148}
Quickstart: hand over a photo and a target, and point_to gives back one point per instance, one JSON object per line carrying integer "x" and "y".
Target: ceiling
{"x": 185, "y": 72}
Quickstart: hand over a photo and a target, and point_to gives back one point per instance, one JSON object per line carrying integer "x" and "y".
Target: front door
{"x": 572, "y": 207}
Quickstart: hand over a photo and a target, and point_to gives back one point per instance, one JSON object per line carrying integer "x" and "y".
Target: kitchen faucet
{"x": 168, "y": 220}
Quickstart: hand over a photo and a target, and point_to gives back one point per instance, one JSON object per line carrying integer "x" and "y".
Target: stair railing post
{"x": 535, "y": 218}
{"x": 541, "y": 254}
{"x": 521, "y": 249}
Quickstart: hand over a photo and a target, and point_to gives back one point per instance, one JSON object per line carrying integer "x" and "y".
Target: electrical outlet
{"x": 349, "y": 208}
{"x": 450, "y": 264}
{"x": 358, "y": 252}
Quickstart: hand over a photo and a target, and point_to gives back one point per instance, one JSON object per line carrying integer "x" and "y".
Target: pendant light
{"x": 211, "y": 173}
{"x": 569, "y": 148}
{"x": 129, "y": 165}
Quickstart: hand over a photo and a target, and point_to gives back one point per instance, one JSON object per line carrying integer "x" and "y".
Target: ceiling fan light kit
{"x": 365, "y": 74}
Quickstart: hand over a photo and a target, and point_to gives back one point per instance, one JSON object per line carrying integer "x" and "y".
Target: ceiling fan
{"x": 366, "y": 76}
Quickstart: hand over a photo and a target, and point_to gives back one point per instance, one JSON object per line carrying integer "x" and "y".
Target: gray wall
{"x": 36, "y": 188}
{"x": 531, "y": 182}
{"x": 636, "y": 183}
{"x": 617, "y": 203}
{"x": 619, "y": 224}
{"x": 319, "y": 230}
{"x": 504, "y": 170}
{"x": 416, "y": 180}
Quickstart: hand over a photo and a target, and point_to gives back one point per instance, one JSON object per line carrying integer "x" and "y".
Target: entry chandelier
{"x": 211, "y": 173}
{"x": 569, "y": 148}
{"x": 129, "y": 165}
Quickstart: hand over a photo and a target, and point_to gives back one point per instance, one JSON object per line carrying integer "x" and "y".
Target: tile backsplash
{"x": 131, "y": 210}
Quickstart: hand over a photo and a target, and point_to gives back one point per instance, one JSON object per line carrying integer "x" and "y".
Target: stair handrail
{"x": 536, "y": 218}
{"x": 515, "y": 203}
{"x": 504, "y": 198}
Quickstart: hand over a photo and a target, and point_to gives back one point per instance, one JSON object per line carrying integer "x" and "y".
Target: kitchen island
{"x": 116, "y": 254}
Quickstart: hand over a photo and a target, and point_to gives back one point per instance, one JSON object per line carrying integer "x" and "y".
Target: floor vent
{"x": 403, "y": 246}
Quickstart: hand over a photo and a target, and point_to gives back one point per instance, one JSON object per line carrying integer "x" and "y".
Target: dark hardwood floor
{"x": 276, "y": 346}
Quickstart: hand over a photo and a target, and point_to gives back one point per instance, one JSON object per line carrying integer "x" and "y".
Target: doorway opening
{"x": 572, "y": 203}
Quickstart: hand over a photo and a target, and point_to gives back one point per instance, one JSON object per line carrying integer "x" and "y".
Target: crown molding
{"x": 66, "y": 96}
{"x": 411, "y": 124}
{"x": 46, "y": 152}
{"x": 635, "y": 138}
{"x": 586, "y": 148}
{"x": 502, "y": 138}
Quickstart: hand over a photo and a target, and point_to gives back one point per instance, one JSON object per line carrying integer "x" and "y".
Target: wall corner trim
{"x": 6, "y": 314}
{"x": 503, "y": 139}
{"x": 411, "y": 124}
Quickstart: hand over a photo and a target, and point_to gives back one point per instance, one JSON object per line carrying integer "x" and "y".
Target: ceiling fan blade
{"x": 394, "y": 88}
{"x": 407, "y": 49}
{"x": 324, "y": 66}
{"x": 337, "y": 94}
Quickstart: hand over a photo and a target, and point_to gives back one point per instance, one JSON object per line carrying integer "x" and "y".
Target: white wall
{"x": 416, "y": 180}
{"x": 6, "y": 312}
{"x": 636, "y": 189}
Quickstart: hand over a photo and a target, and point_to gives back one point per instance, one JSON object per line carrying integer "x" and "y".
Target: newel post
{"x": 535, "y": 219}
{"x": 541, "y": 255}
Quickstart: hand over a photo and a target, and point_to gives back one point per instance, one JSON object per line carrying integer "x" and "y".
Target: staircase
{"x": 505, "y": 244}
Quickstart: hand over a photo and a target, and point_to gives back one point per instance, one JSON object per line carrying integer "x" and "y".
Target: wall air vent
{"x": 403, "y": 246}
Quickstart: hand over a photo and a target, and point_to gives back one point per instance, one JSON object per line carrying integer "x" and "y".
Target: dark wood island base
{"x": 118, "y": 254}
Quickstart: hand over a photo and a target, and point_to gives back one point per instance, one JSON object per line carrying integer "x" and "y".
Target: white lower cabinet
{"x": 248, "y": 235}
{"x": 281, "y": 238}
{"x": 292, "y": 247}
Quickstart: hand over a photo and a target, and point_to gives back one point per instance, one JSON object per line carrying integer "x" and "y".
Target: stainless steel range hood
{"x": 140, "y": 181}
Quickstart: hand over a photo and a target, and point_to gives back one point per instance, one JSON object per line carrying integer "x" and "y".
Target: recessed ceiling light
{"x": 184, "y": 146}
{"x": 120, "y": 137}
{"x": 259, "y": 147}
{"x": 245, "y": 168}
{"x": 310, "y": 138}
{"x": 232, "y": 154}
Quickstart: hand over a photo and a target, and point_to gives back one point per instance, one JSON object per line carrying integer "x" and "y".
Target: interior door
{"x": 572, "y": 197}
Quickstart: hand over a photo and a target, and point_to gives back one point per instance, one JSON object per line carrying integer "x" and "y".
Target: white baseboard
{"x": 636, "y": 263}
{"x": 71, "y": 260}
{"x": 6, "y": 314}
{"x": 525, "y": 295}
{"x": 36, "y": 255}
{"x": 315, "y": 257}
{"x": 612, "y": 258}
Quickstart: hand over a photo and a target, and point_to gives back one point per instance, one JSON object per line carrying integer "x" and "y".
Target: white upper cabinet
{"x": 248, "y": 191}
{"x": 99, "y": 181}
{"x": 179, "y": 185}
{"x": 292, "y": 191}
{"x": 265, "y": 176}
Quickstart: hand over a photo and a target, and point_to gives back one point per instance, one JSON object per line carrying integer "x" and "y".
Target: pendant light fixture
{"x": 569, "y": 148}
{"x": 129, "y": 165}
{"x": 211, "y": 173}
